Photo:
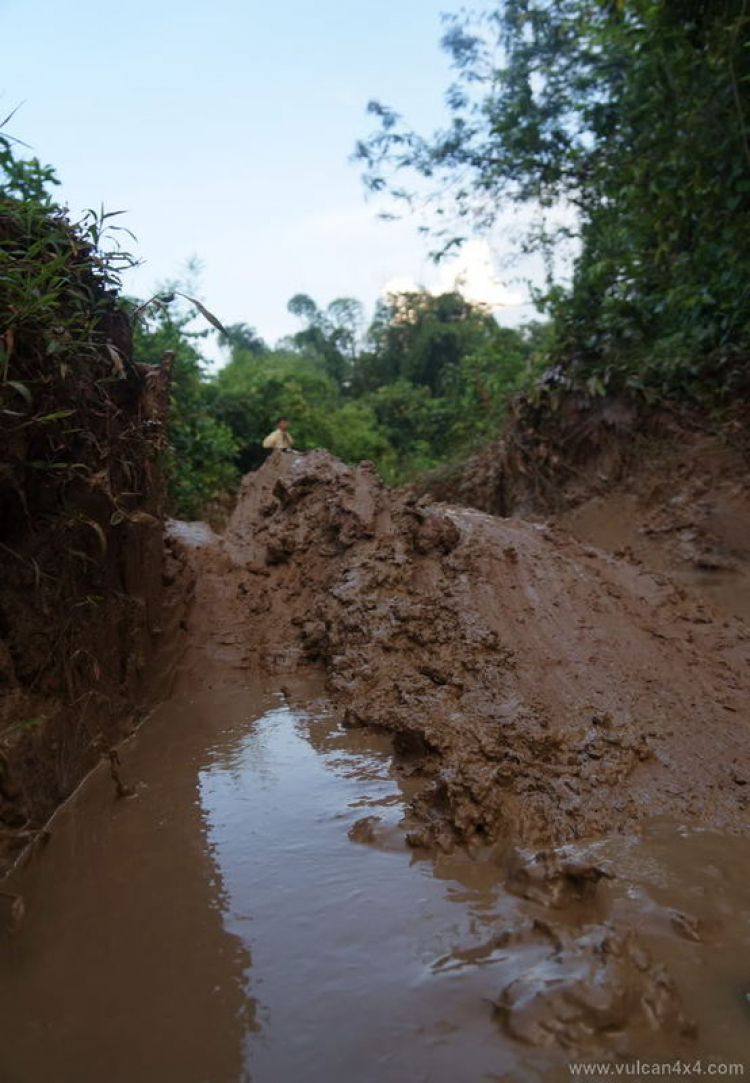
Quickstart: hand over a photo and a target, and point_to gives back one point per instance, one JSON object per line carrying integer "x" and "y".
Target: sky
{"x": 225, "y": 130}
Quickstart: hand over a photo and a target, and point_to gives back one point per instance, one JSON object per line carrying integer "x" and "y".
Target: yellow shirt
{"x": 278, "y": 439}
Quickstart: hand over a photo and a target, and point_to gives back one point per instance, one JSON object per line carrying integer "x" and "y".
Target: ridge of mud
{"x": 541, "y": 690}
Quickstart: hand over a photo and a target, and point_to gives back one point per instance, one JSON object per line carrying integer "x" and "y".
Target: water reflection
{"x": 123, "y": 969}
{"x": 232, "y": 922}
{"x": 371, "y": 959}
{"x": 345, "y": 935}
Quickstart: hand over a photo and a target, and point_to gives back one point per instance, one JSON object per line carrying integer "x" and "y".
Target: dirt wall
{"x": 665, "y": 488}
{"x": 81, "y": 562}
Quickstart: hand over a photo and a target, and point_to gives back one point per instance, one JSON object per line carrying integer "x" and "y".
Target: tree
{"x": 251, "y": 393}
{"x": 421, "y": 337}
{"x": 331, "y": 335}
{"x": 239, "y": 336}
{"x": 635, "y": 113}
{"x": 200, "y": 457}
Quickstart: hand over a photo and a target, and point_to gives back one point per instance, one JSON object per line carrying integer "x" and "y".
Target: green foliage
{"x": 636, "y": 113}
{"x": 331, "y": 336}
{"x": 435, "y": 376}
{"x": 57, "y": 324}
{"x": 660, "y": 298}
{"x": 251, "y": 392}
{"x": 407, "y": 414}
{"x": 431, "y": 374}
{"x": 355, "y": 435}
{"x": 243, "y": 337}
{"x": 413, "y": 422}
{"x": 421, "y": 337}
{"x": 25, "y": 180}
{"x": 62, "y": 341}
{"x": 201, "y": 451}
{"x": 491, "y": 376}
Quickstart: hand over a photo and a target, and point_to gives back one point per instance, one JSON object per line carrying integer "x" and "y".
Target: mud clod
{"x": 364, "y": 830}
{"x": 557, "y": 879}
{"x": 599, "y": 983}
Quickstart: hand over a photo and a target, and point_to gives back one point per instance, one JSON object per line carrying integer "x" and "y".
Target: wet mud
{"x": 697, "y": 531}
{"x": 541, "y": 690}
{"x": 663, "y": 488}
{"x": 254, "y": 912}
{"x": 437, "y": 797}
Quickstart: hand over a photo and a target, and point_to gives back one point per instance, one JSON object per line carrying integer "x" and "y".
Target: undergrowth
{"x": 79, "y": 457}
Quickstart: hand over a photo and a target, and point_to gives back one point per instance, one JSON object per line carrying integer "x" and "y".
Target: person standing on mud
{"x": 280, "y": 437}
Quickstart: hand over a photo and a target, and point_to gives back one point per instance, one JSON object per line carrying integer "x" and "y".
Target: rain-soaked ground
{"x": 237, "y": 919}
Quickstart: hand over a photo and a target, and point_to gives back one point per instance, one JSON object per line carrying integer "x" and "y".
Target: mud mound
{"x": 540, "y": 690}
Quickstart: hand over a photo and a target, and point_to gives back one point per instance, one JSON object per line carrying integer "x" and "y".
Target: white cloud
{"x": 472, "y": 273}
{"x": 402, "y": 284}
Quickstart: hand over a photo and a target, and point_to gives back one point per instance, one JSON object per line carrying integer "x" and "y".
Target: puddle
{"x": 236, "y": 920}
{"x": 223, "y": 925}
{"x": 347, "y": 938}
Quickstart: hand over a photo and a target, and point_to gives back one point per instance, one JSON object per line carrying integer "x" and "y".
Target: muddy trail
{"x": 437, "y": 796}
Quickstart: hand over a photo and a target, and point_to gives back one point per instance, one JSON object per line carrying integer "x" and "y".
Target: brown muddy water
{"x": 237, "y": 920}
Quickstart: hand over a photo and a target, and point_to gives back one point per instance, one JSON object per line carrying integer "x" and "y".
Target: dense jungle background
{"x": 630, "y": 117}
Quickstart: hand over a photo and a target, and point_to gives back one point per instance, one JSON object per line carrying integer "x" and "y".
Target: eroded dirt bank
{"x": 663, "y": 487}
{"x": 81, "y": 556}
{"x": 542, "y": 690}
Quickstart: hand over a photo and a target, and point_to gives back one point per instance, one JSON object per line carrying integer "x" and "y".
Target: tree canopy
{"x": 630, "y": 115}
{"x": 428, "y": 379}
{"x": 636, "y": 114}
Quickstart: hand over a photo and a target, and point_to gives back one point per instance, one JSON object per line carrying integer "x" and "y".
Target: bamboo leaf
{"x": 204, "y": 312}
{"x": 54, "y": 416}
{"x": 22, "y": 390}
{"x": 99, "y": 533}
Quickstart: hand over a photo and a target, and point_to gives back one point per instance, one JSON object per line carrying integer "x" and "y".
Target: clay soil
{"x": 539, "y": 689}
{"x": 664, "y": 488}
{"x": 81, "y": 573}
{"x": 543, "y": 697}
